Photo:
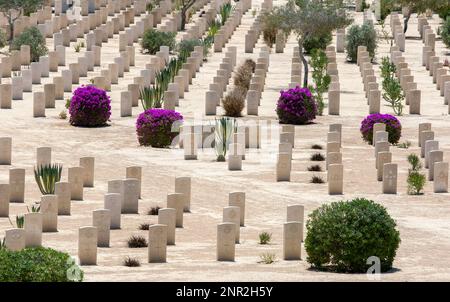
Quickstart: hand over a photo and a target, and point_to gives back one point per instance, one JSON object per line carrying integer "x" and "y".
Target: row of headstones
{"x": 370, "y": 85}
{"x": 403, "y": 72}
{"x": 46, "y": 220}
{"x": 220, "y": 81}
{"x": 193, "y": 137}
{"x": 196, "y": 29}
{"x": 252, "y": 35}
{"x": 55, "y": 90}
{"x": 160, "y": 235}
{"x": 78, "y": 177}
{"x": 296, "y": 68}
{"x": 437, "y": 70}
{"x": 33, "y": 20}
{"x": 386, "y": 170}
{"x": 397, "y": 31}
{"x": 434, "y": 158}
{"x": 184, "y": 78}
{"x": 334, "y": 164}
{"x": 258, "y": 81}
{"x": 334, "y": 89}
{"x": 228, "y": 232}
{"x": 225, "y": 32}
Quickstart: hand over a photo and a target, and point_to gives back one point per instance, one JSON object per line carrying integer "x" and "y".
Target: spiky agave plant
{"x": 20, "y": 221}
{"x": 47, "y": 176}
{"x": 225, "y": 127}
{"x": 225, "y": 12}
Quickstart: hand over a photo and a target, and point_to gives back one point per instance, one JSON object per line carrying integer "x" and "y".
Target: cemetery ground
{"x": 422, "y": 220}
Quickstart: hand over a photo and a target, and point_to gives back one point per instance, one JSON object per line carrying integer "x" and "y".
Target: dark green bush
{"x": 185, "y": 47}
{"x": 33, "y": 37}
{"x": 38, "y": 265}
{"x": 343, "y": 235}
{"x": 444, "y": 31}
{"x": 316, "y": 42}
{"x": 153, "y": 39}
{"x": 364, "y": 35}
{"x": 3, "y": 39}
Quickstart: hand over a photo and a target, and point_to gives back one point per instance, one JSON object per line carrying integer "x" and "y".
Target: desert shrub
{"x": 249, "y": 63}
{"x": 153, "y": 40}
{"x": 316, "y": 180}
{"x": 393, "y": 127}
{"x": 38, "y": 265}
{"x": 343, "y": 235}
{"x": 444, "y": 31}
{"x": 270, "y": 26}
{"x": 136, "y": 241}
{"x": 234, "y": 102}
{"x": 265, "y": 238}
{"x": 317, "y": 157}
{"x": 317, "y": 147}
{"x": 267, "y": 258}
{"x": 144, "y": 226}
{"x": 315, "y": 168}
{"x": 244, "y": 73}
{"x": 154, "y": 127}
{"x": 317, "y": 42}
{"x": 364, "y": 35}
{"x": 296, "y": 106}
{"x": 416, "y": 180}
{"x": 153, "y": 210}
{"x": 131, "y": 262}
{"x": 89, "y": 107}
{"x": 32, "y": 37}
{"x": 185, "y": 47}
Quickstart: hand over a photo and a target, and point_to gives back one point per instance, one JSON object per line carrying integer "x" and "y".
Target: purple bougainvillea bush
{"x": 393, "y": 127}
{"x": 89, "y": 107}
{"x": 154, "y": 127}
{"x": 296, "y": 106}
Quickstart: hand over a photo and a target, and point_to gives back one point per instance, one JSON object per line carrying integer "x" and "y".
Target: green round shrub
{"x": 3, "y": 39}
{"x": 343, "y": 235}
{"x": 153, "y": 40}
{"x": 32, "y": 37}
{"x": 364, "y": 35}
{"x": 317, "y": 42}
{"x": 38, "y": 265}
{"x": 444, "y": 31}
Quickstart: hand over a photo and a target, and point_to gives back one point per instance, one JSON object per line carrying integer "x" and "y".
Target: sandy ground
{"x": 422, "y": 220}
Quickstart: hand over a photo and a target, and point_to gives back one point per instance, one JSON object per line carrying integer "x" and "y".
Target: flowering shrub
{"x": 296, "y": 106}
{"x": 393, "y": 127}
{"x": 154, "y": 127}
{"x": 89, "y": 107}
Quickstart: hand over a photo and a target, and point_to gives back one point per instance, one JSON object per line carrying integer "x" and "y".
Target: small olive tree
{"x": 14, "y": 9}
{"x": 184, "y": 6}
{"x": 309, "y": 18}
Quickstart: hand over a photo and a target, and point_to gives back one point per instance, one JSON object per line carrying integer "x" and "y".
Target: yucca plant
{"x": 46, "y": 176}
{"x": 34, "y": 208}
{"x": 225, "y": 12}
{"x": 225, "y": 127}
{"x": 20, "y": 221}
{"x": 214, "y": 27}
{"x": 151, "y": 97}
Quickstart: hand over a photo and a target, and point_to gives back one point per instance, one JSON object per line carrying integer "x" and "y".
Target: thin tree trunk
{"x": 11, "y": 32}
{"x": 183, "y": 18}
{"x": 305, "y": 63}
{"x": 405, "y": 26}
